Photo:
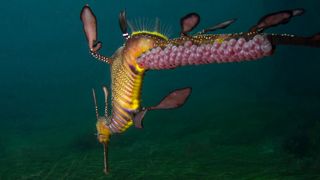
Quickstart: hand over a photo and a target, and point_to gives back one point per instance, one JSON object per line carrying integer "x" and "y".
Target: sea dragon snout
{"x": 104, "y": 123}
{"x": 146, "y": 50}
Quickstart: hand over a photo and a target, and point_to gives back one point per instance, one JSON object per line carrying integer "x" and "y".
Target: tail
{"x": 284, "y": 39}
{"x": 283, "y": 17}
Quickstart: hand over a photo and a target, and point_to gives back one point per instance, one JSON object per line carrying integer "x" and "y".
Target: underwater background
{"x": 251, "y": 120}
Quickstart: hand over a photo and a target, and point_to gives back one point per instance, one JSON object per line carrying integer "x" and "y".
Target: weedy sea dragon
{"x": 146, "y": 50}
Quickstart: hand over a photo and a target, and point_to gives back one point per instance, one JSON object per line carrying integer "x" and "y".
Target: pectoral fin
{"x": 173, "y": 100}
{"x": 139, "y": 117}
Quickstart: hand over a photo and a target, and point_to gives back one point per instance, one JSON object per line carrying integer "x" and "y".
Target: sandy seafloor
{"x": 251, "y": 120}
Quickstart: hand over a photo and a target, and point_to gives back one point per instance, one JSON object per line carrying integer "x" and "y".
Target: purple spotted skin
{"x": 232, "y": 50}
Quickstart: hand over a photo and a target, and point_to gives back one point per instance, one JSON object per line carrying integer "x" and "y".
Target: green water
{"x": 254, "y": 120}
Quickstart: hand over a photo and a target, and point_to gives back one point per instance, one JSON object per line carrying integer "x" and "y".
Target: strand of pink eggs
{"x": 233, "y": 50}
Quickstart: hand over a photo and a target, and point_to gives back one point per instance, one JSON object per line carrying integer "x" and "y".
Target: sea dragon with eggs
{"x": 151, "y": 50}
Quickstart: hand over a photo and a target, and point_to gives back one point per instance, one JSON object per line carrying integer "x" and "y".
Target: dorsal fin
{"x": 157, "y": 25}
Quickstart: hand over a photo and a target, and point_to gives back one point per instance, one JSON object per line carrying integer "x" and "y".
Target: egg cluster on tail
{"x": 232, "y": 50}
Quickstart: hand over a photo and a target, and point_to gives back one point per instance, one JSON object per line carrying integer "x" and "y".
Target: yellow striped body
{"x": 127, "y": 77}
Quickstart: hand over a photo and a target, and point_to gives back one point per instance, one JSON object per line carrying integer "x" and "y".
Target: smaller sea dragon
{"x": 145, "y": 50}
